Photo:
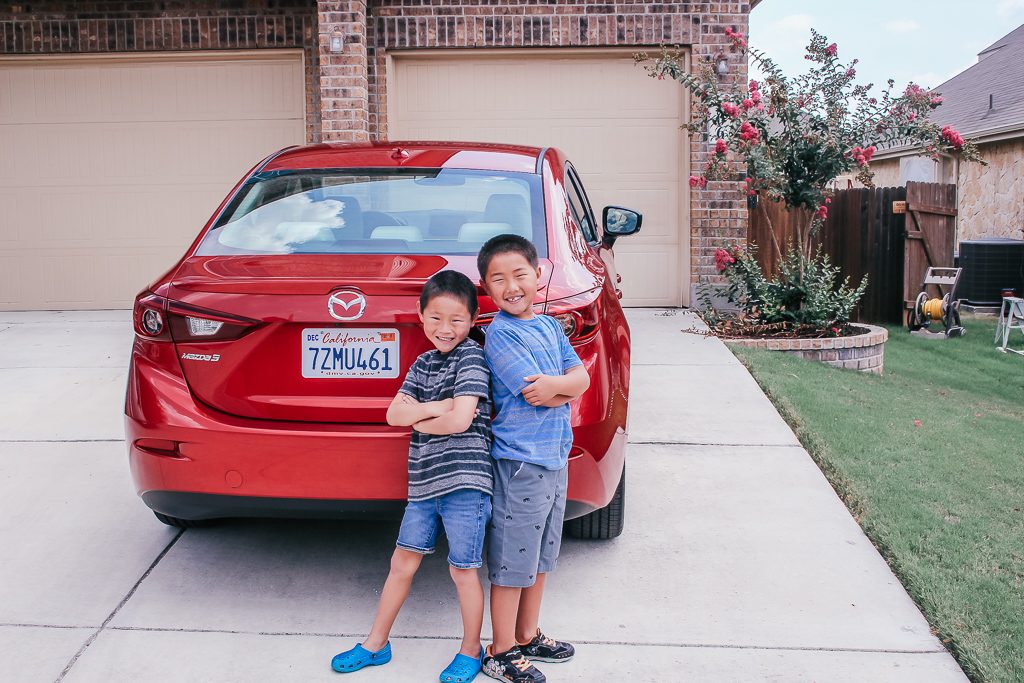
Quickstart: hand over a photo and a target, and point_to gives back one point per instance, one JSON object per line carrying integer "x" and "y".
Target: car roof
{"x": 408, "y": 154}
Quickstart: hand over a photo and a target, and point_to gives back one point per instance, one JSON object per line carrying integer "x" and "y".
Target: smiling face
{"x": 511, "y": 282}
{"x": 446, "y": 322}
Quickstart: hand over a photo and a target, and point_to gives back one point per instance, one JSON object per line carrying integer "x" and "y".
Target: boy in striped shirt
{"x": 446, "y": 400}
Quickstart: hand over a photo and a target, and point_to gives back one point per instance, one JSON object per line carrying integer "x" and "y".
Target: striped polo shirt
{"x": 440, "y": 464}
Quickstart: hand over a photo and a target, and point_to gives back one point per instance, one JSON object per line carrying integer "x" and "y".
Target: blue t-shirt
{"x": 516, "y": 349}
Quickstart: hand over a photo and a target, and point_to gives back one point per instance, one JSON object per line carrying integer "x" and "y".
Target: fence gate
{"x": 930, "y": 236}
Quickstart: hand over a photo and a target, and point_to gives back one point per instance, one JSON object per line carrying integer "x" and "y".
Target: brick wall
{"x": 95, "y": 26}
{"x": 718, "y": 214}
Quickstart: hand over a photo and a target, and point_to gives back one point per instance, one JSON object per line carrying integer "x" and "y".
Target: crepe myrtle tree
{"x": 796, "y": 134}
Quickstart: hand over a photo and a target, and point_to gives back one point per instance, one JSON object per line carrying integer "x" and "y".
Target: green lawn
{"x": 930, "y": 459}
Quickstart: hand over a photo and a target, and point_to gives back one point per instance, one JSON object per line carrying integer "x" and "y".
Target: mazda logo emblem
{"x": 346, "y": 304}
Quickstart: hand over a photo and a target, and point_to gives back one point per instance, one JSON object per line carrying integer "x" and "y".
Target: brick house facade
{"x": 346, "y": 93}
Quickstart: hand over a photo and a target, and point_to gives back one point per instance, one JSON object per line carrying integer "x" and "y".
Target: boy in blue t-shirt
{"x": 445, "y": 399}
{"x": 535, "y": 373}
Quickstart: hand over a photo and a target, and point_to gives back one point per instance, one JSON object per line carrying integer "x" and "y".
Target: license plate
{"x": 366, "y": 353}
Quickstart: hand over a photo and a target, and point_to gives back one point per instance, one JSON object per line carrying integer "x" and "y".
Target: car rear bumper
{"x": 192, "y": 462}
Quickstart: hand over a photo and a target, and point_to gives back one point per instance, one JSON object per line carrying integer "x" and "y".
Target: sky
{"x": 924, "y": 41}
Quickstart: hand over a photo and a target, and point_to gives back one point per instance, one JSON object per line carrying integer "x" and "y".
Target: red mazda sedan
{"x": 265, "y": 359}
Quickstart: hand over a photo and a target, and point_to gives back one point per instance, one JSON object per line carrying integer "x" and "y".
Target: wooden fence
{"x": 864, "y": 237}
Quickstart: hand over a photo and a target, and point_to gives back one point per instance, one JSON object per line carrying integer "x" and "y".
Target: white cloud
{"x": 902, "y": 25}
{"x": 1007, "y": 8}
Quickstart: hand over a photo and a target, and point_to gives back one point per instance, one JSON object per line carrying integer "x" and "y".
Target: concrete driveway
{"x": 738, "y": 562}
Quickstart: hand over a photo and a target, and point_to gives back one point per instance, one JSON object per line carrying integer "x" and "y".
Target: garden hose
{"x": 932, "y": 309}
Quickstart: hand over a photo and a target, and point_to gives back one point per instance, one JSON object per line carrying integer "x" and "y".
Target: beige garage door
{"x": 111, "y": 166}
{"x": 619, "y": 127}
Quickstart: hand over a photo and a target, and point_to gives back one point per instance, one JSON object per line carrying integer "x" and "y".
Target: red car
{"x": 265, "y": 359}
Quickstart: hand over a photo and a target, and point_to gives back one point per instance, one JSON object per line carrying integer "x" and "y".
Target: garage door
{"x": 111, "y": 166}
{"x": 619, "y": 127}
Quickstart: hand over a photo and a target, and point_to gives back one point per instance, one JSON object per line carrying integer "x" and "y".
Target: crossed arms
{"x": 450, "y": 416}
{"x": 454, "y": 416}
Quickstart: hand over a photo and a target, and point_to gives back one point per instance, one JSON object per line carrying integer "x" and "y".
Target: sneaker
{"x": 544, "y": 649}
{"x": 511, "y": 667}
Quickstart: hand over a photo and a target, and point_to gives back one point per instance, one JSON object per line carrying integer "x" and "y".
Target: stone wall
{"x": 991, "y": 201}
{"x": 863, "y": 352}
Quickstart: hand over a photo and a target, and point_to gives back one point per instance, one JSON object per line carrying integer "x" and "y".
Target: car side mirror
{"x": 620, "y": 222}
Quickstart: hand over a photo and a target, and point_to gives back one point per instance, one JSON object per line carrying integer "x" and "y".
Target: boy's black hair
{"x": 503, "y": 244}
{"x": 450, "y": 283}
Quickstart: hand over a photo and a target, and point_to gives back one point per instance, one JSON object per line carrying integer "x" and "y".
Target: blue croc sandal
{"x": 462, "y": 669}
{"x": 359, "y": 657}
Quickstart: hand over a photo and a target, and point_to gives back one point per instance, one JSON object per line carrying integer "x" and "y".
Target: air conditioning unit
{"x": 990, "y": 266}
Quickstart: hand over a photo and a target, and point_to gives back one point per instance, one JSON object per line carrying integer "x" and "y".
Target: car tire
{"x": 605, "y": 522}
{"x": 182, "y": 523}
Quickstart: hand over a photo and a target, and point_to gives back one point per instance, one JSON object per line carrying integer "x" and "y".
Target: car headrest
{"x": 351, "y": 213}
{"x": 507, "y": 208}
{"x": 409, "y": 233}
{"x": 481, "y": 232}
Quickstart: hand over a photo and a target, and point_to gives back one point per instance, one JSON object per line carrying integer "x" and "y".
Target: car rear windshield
{"x": 421, "y": 211}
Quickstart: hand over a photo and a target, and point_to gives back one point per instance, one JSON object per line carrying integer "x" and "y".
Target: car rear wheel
{"x": 182, "y": 523}
{"x": 604, "y": 523}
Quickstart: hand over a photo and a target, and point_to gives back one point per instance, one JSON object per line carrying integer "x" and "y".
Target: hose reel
{"x": 927, "y": 310}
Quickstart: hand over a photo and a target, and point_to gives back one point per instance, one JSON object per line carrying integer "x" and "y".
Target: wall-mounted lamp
{"x": 721, "y": 65}
{"x": 337, "y": 41}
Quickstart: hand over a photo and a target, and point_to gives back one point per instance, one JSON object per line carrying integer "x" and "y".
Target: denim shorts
{"x": 464, "y": 514}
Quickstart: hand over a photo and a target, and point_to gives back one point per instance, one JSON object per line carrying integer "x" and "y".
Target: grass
{"x": 930, "y": 459}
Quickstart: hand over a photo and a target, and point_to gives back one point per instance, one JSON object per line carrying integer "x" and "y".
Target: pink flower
{"x": 756, "y": 97}
{"x": 721, "y": 147}
{"x": 723, "y": 259}
{"x": 694, "y": 181}
{"x": 953, "y": 138}
{"x": 934, "y": 102}
{"x": 754, "y": 86}
{"x": 872, "y": 100}
{"x": 748, "y": 103}
{"x": 851, "y": 72}
{"x": 831, "y": 50}
{"x": 828, "y": 200}
{"x": 822, "y": 212}
{"x": 748, "y": 181}
{"x": 748, "y": 133}
{"x": 731, "y": 109}
{"x": 912, "y": 116}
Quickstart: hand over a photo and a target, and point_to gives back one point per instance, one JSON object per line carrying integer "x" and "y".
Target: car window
{"x": 580, "y": 206}
{"x": 344, "y": 211}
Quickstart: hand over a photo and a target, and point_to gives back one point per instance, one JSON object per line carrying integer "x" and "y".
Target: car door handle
{"x": 618, "y": 293}
{"x": 618, "y": 278}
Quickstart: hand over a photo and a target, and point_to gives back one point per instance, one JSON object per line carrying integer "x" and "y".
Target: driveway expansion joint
{"x": 579, "y": 641}
{"x": 128, "y": 596}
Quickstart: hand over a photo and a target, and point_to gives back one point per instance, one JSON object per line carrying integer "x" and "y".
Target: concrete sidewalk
{"x": 738, "y": 561}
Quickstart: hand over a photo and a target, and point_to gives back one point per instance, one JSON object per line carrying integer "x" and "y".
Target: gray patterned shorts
{"x": 526, "y": 522}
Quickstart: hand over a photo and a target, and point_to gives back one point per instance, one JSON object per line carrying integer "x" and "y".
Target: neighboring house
{"x": 123, "y": 124}
{"x": 986, "y": 103}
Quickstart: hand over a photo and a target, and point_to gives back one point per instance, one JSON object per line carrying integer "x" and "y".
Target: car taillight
{"x": 150, "y": 317}
{"x": 193, "y": 324}
{"x": 580, "y": 315}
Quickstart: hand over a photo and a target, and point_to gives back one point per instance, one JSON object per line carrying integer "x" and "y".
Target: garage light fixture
{"x": 337, "y": 42}
{"x": 721, "y": 65}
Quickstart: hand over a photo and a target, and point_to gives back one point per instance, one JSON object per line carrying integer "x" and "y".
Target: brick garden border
{"x": 864, "y": 352}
